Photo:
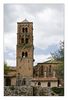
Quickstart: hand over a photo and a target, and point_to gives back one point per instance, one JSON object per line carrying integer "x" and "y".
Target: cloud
{"x": 41, "y": 58}
{"x": 10, "y": 40}
{"x": 11, "y": 62}
{"x": 45, "y": 41}
{"x": 48, "y": 24}
{"x": 10, "y": 54}
{"x": 46, "y": 51}
{"x": 10, "y": 48}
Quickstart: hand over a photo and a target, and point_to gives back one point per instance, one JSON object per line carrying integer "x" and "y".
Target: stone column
{"x": 44, "y": 74}
{"x": 53, "y": 73}
{"x": 4, "y": 82}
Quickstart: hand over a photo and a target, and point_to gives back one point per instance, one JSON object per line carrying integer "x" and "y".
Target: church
{"x": 43, "y": 74}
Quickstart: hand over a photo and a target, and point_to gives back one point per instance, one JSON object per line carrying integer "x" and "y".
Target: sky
{"x": 48, "y": 29}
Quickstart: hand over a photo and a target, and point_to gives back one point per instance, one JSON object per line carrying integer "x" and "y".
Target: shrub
{"x": 59, "y": 91}
{"x": 12, "y": 87}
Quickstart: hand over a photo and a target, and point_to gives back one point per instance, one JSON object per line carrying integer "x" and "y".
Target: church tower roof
{"x": 25, "y": 20}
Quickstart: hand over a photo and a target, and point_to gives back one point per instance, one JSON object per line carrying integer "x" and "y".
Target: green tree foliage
{"x": 59, "y": 91}
{"x": 6, "y": 68}
{"x": 59, "y": 56}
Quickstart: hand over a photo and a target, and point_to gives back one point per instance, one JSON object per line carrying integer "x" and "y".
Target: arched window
{"x": 26, "y": 30}
{"x": 49, "y": 84}
{"x": 26, "y": 54}
{"x": 23, "y": 54}
{"x": 26, "y": 40}
{"x": 18, "y": 74}
{"x": 8, "y": 82}
{"x": 39, "y": 83}
{"x": 23, "y": 30}
{"x": 50, "y": 68}
{"x": 22, "y": 40}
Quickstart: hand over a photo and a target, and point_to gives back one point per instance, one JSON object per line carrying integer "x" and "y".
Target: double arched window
{"x": 24, "y": 54}
{"x": 24, "y": 41}
{"x": 25, "y": 30}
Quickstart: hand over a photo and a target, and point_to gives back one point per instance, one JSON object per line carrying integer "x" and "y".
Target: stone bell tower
{"x": 24, "y": 51}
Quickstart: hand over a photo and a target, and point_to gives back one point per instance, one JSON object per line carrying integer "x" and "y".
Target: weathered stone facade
{"x": 24, "y": 57}
{"x": 22, "y": 79}
{"x": 10, "y": 77}
{"x": 45, "y": 82}
{"x": 43, "y": 91}
{"x": 18, "y": 91}
{"x": 28, "y": 91}
{"x": 46, "y": 69}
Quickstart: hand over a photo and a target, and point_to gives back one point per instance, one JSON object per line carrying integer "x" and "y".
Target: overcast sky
{"x": 48, "y": 25}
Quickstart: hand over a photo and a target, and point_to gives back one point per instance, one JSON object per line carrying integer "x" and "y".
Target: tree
{"x": 59, "y": 56}
{"x": 6, "y": 68}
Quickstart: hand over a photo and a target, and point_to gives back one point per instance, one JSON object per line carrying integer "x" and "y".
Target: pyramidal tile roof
{"x": 25, "y": 20}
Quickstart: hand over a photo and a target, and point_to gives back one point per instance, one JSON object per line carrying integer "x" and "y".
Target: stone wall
{"x": 24, "y": 57}
{"x": 28, "y": 91}
{"x": 40, "y": 69}
{"x": 39, "y": 91}
{"x": 18, "y": 91}
{"x": 43, "y": 91}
